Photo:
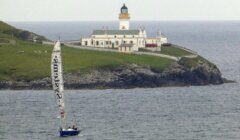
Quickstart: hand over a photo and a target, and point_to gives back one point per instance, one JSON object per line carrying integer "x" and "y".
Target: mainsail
{"x": 57, "y": 81}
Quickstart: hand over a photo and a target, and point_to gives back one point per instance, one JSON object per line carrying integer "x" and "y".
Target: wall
{"x": 124, "y": 23}
{"x": 110, "y": 41}
{"x": 154, "y": 41}
{"x": 164, "y": 40}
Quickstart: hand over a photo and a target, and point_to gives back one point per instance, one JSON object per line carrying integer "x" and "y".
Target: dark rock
{"x": 130, "y": 76}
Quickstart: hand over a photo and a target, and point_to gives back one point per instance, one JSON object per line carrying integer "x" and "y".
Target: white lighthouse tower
{"x": 124, "y": 18}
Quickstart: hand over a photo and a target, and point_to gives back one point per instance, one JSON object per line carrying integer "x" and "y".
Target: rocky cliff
{"x": 185, "y": 72}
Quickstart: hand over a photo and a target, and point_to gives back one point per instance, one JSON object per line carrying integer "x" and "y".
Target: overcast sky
{"x": 108, "y": 10}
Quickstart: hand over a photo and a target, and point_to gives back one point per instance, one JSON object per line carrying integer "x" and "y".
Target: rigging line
{"x": 63, "y": 91}
{"x": 55, "y": 106}
{"x": 71, "y": 109}
{"x": 74, "y": 113}
{"x": 51, "y": 106}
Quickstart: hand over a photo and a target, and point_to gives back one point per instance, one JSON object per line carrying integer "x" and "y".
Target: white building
{"x": 124, "y": 35}
{"x": 125, "y": 48}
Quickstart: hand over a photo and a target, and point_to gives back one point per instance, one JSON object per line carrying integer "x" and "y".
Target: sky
{"x": 108, "y": 10}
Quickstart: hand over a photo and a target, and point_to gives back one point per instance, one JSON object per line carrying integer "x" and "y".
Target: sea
{"x": 170, "y": 113}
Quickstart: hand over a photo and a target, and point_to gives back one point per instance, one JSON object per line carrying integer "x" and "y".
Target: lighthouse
{"x": 124, "y": 39}
{"x": 124, "y": 18}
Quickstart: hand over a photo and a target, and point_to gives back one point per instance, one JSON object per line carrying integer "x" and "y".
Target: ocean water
{"x": 172, "y": 113}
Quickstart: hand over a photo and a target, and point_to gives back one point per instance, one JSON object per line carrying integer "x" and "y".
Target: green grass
{"x": 174, "y": 51}
{"x": 16, "y": 64}
{"x": 27, "y": 61}
{"x": 10, "y": 32}
{"x": 19, "y": 61}
{"x": 5, "y": 36}
{"x": 4, "y": 40}
{"x": 5, "y": 26}
{"x": 194, "y": 62}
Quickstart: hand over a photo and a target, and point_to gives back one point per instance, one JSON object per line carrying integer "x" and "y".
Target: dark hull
{"x": 67, "y": 133}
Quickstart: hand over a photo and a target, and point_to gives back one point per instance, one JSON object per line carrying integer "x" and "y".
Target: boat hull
{"x": 67, "y": 133}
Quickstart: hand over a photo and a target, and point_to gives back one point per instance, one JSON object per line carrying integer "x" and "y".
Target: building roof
{"x": 115, "y": 32}
{"x": 163, "y": 35}
{"x": 124, "y": 6}
{"x": 126, "y": 45}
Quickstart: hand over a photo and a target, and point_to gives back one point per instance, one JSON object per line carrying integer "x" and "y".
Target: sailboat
{"x": 58, "y": 87}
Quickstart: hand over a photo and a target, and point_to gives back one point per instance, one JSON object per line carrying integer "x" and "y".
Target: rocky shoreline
{"x": 130, "y": 76}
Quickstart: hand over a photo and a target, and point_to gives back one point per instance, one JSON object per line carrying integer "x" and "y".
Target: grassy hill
{"x": 10, "y": 32}
{"x": 4, "y": 26}
{"x": 24, "y": 64}
{"x": 25, "y": 60}
{"x": 174, "y": 50}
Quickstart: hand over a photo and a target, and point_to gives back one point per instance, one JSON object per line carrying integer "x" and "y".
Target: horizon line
{"x": 118, "y": 21}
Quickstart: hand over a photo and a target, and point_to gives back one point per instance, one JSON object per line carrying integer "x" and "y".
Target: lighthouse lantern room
{"x": 124, "y": 18}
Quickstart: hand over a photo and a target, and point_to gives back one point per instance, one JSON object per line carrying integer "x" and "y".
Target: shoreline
{"x": 128, "y": 77}
{"x": 176, "y": 86}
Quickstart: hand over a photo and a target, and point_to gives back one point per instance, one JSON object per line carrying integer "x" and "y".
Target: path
{"x": 157, "y": 54}
{"x": 137, "y": 53}
{"x": 91, "y": 48}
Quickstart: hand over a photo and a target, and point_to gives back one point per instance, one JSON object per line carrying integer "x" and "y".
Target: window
{"x": 133, "y": 36}
{"x": 86, "y": 43}
{"x": 97, "y": 43}
{"x": 131, "y": 42}
{"x": 124, "y": 42}
{"x": 115, "y": 36}
{"x": 124, "y": 36}
{"x": 124, "y": 11}
{"x": 106, "y": 42}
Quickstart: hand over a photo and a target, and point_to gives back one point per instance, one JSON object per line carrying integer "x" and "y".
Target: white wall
{"x": 164, "y": 40}
{"x": 124, "y": 24}
{"x": 153, "y": 41}
{"x": 114, "y": 42}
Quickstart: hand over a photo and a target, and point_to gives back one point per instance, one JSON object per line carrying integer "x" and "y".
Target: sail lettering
{"x": 59, "y": 96}
{"x": 56, "y": 78}
{"x": 55, "y": 60}
{"x": 57, "y": 84}
{"x": 55, "y": 68}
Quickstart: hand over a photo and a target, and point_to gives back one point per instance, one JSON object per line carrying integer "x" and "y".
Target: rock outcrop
{"x": 132, "y": 76}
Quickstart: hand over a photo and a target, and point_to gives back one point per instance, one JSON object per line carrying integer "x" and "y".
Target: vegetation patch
{"x": 170, "y": 49}
{"x": 8, "y": 31}
{"x": 174, "y": 50}
{"x": 29, "y": 61}
{"x": 194, "y": 62}
{"x": 4, "y": 40}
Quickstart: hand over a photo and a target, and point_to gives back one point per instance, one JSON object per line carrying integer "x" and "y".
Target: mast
{"x": 57, "y": 81}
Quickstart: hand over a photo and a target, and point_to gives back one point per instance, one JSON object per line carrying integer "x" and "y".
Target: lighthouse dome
{"x": 124, "y": 9}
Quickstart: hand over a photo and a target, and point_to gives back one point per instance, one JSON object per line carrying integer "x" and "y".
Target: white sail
{"x": 57, "y": 81}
